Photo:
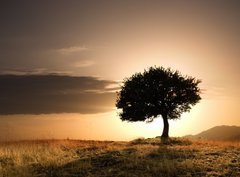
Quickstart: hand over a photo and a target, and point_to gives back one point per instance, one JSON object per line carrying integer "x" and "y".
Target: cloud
{"x": 35, "y": 71}
{"x": 214, "y": 92}
{"x": 85, "y": 63}
{"x": 43, "y": 94}
{"x": 73, "y": 49}
{"x": 22, "y": 71}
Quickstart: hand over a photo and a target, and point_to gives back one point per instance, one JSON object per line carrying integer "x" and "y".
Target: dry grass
{"x": 140, "y": 158}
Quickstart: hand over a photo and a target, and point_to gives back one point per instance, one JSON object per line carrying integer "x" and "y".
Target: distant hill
{"x": 224, "y": 132}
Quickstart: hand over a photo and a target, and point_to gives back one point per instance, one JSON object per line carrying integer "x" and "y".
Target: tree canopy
{"x": 157, "y": 91}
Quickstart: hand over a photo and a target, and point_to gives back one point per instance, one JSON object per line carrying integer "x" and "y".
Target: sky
{"x": 61, "y": 63}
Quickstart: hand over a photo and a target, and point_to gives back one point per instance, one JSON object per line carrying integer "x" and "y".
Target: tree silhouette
{"x": 157, "y": 91}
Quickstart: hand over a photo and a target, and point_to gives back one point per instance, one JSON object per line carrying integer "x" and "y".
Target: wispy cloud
{"x": 22, "y": 71}
{"x": 34, "y": 71}
{"x": 114, "y": 87}
{"x": 72, "y": 49}
{"x": 214, "y": 92}
{"x": 84, "y": 63}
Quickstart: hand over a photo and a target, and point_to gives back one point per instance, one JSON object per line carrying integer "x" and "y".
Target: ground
{"x": 137, "y": 158}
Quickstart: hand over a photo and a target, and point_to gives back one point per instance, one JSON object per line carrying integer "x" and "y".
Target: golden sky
{"x": 96, "y": 44}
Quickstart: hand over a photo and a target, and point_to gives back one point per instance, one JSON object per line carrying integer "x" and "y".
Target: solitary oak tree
{"x": 157, "y": 92}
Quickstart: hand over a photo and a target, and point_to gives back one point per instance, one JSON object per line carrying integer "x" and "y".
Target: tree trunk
{"x": 165, "y": 126}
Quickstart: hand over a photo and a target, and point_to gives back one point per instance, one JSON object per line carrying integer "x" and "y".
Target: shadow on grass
{"x": 138, "y": 158}
{"x": 160, "y": 142}
{"x": 129, "y": 162}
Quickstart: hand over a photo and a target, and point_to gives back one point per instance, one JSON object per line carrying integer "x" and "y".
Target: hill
{"x": 222, "y": 133}
{"x": 141, "y": 158}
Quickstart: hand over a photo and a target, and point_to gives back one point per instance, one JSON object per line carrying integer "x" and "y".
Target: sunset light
{"x": 129, "y": 88}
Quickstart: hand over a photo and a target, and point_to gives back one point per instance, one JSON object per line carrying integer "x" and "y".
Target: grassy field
{"x": 138, "y": 158}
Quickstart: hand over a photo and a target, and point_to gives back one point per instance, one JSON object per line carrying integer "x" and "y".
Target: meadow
{"x": 137, "y": 158}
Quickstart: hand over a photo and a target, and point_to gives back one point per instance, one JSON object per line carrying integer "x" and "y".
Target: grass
{"x": 138, "y": 158}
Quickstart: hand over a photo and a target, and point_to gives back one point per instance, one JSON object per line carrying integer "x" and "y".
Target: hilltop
{"x": 138, "y": 158}
{"x": 222, "y": 133}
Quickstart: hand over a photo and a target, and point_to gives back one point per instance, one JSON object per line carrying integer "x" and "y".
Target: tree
{"x": 157, "y": 92}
